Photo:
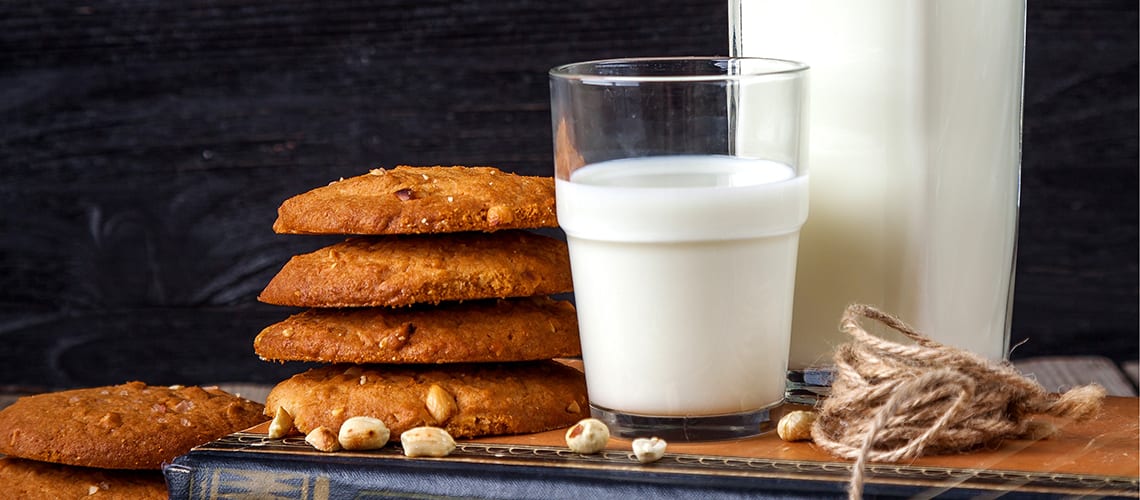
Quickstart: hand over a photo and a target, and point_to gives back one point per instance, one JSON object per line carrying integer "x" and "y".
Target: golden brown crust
{"x": 32, "y": 480}
{"x": 489, "y": 398}
{"x": 419, "y": 200}
{"x": 481, "y": 331}
{"x": 406, "y": 270}
{"x": 128, "y": 426}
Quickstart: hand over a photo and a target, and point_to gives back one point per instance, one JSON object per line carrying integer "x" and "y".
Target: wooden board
{"x": 1094, "y": 458}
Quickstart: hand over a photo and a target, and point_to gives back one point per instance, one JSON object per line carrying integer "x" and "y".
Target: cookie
{"x": 34, "y": 480}
{"x": 128, "y": 426}
{"x": 405, "y": 270}
{"x": 418, "y": 200}
{"x": 480, "y": 331}
{"x": 467, "y": 400}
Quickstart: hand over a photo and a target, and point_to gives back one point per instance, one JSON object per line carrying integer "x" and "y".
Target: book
{"x": 1097, "y": 458}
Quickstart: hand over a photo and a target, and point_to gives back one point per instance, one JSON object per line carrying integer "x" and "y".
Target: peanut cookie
{"x": 128, "y": 426}
{"x": 480, "y": 331}
{"x": 405, "y": 270}
{"x": 467, "y": 400}
{"x": 34, "y": 480}
{"x": 417, "y": 200}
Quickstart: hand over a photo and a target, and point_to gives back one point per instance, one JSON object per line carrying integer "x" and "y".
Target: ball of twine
{"x": 892, "y": 402}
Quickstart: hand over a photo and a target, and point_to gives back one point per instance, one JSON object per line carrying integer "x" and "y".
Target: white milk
{"x": 683, "y": 276}
{"x": 914, "y": 153}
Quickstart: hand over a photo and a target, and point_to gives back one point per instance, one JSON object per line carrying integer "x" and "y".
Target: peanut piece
{"x": 589, "y": 435}
{"x": 649, "y": 449}
{"x": 427, "y": 442}
{"x": 440, "y": 404}
{"x": 500, "y": 214}
{"x": 322, "y": 439}
{"x": 363, "y": 433}
{"x": 796, "y": 426}
{"x": 281, "y": 425}
{"x": 111, "y": 420}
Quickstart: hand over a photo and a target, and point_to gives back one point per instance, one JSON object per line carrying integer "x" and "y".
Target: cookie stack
{"x": 110, "y": 441}
{"x": 435, "y": 311}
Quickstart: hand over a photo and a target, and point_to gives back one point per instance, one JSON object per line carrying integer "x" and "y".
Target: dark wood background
{"x": 144, "y": 147}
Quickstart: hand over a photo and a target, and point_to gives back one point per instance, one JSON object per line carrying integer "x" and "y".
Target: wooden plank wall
{"x": 144, "y": 148}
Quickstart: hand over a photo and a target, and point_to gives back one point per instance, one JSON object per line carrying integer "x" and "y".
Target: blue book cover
{"x": 250, "y": 465}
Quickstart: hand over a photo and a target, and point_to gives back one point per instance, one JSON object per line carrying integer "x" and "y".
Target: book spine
{"x": 208, "y": 476}
{"x": 218, "y": 474}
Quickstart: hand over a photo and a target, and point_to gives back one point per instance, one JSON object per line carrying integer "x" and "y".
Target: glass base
{"x": 809, "y": 385}
{"x": 680, "y": 429}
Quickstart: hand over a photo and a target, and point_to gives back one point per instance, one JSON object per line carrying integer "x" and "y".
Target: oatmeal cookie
{"x": 405, "y": 270}
{"x": 418, "y": 200}
{"x": 128, "y": 426}
{"x": 34, "y": 480}
{"x": 522, "y": 329}
{"x": 467, "y": 400}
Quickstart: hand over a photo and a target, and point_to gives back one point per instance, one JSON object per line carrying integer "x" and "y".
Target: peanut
{"x": 589, "y": 435}
{"x": 440, "y": 404}
{"x": 322, "y": 439}
{"x": 363, "y": 433}
{"x": 649, "y": 449}
{"x": 796, "y": 425}
{"x": 281, "y": 425}
{"x": 427, "y": 442}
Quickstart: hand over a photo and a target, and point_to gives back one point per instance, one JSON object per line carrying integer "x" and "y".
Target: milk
{"x": 914, "y": 153}
{"x": 683, "y": 273}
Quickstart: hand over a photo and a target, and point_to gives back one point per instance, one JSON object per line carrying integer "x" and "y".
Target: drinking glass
{"x": 681, "y": 187}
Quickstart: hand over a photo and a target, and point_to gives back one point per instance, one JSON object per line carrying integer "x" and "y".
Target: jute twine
{"x": 892, "y": 402}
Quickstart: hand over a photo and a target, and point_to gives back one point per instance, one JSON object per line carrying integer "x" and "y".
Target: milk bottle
{"x": 914, "y": 152}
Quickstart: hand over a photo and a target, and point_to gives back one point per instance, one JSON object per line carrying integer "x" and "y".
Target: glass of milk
{"x": 915, "y": 155}
{"x": 681, "y": 186}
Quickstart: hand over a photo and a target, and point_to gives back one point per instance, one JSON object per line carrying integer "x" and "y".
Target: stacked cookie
{"x": 110, "y": 442}
{"x": 436, "y": 311}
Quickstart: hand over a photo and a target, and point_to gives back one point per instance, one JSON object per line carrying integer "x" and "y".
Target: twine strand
{"x": 891, "y": 402}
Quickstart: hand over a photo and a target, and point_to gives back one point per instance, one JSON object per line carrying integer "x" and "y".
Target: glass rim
{"x": 572, "y": 71}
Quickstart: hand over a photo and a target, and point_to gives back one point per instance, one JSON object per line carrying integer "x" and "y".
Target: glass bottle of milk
{"x": 915, "y": 157}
